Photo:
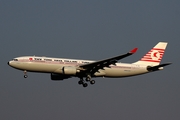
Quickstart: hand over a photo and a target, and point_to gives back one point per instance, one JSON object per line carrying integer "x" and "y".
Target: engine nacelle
{"x": 69, "y": 70}
{"x": 58, "y": 76}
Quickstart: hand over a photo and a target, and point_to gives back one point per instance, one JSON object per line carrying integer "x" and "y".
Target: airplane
{"x": 62, "y": 68}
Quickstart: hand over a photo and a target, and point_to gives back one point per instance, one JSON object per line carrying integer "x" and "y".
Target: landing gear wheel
{"x": 92, "y": 82}
{"x": 85, "y": 85}
{"x": 88, "y": 79}
{"x": 80, "y": 82}
{"x": 25, "y": 76}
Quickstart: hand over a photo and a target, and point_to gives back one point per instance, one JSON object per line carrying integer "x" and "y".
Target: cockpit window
{"x": 15, "y": 59}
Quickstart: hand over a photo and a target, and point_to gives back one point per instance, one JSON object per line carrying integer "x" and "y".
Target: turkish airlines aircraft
{"x": 61, "y": 68}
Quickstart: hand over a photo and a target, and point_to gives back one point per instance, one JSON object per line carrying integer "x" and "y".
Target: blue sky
{"x": 92, "y": 30}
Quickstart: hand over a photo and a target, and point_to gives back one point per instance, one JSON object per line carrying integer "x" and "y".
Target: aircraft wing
{"x": 95, "y": 66}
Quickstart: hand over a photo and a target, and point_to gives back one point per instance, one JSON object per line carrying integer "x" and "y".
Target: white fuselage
{"x": 55, "y": 65}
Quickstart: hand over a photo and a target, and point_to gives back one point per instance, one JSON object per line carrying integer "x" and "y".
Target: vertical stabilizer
{"x": 154, "y": 56}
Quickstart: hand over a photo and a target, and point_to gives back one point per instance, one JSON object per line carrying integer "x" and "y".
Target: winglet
{"x": 133, "y": 51}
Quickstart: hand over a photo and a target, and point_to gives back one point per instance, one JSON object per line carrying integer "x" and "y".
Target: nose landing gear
{"x": 25, "y": 74}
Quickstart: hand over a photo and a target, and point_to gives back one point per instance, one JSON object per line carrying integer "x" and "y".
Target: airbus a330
{"x": 62, "y": 68}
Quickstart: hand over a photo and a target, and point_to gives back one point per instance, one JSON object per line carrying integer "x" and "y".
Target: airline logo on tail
{"x": 154, "y": 56}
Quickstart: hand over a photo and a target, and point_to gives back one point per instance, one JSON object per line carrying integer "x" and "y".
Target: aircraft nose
{"x": 8, "y": 63}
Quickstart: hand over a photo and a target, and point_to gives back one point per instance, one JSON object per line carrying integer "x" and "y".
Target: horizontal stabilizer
{"x": 158, "y": 67}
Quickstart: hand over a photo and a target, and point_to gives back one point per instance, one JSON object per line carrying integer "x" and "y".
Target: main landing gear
{"x": 25, "y": 74}
{"x": 88, "y": 79}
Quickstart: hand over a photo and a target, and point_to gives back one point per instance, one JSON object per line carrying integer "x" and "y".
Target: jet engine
{"x": 69, "y": 70}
